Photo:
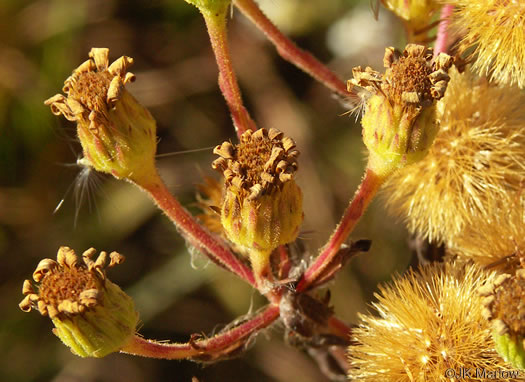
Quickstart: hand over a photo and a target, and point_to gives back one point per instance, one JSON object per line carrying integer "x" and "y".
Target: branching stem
{"x": 290, "y": 52}
{"x": 214, "y": 346}
{"x": 195, "y": 233}
{"x": 216, "y": 24}
{"x": 364, "y": 195}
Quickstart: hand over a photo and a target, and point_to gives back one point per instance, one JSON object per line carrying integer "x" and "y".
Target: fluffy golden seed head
{"x": 495, "y": 29}
{"x": 498, "y": 240}
{"x": 92, "y": 316}
{"x": 471, "y": 179}
{"x": 429, "y": 321}
{"x": 116, "y": 132}
{"x": 399, "y": 122}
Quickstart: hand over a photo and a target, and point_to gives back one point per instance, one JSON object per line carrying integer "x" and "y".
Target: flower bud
{"x": 118, "y": 134}
{"x": 261, "y": 205}
{"x": 92, "y": 315}
{"x": 399, "y": 123}
{"x": 416, "y": 12}
{"x": 503, "y": 306}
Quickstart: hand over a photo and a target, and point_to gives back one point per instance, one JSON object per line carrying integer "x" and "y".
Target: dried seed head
{"x": 92, "y": 316}
{"x": 261, "y": 162}
{"x": 116, "y": 132}
{"x": 261, "y": 206}
{"x": 428, "y": 321}
{"x": 504, "y": 303}
{"x": 399, "y": 123}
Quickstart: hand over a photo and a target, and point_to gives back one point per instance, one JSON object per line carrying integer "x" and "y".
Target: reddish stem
{"x": 365, "y": 193}
{"x": 290, "y": 52}
{"x": 442, "y": 34}
{"x": 214, "y": 345}
{"x": 284, "y": 262}
{"x": 193, "y": 232}
{"x": 216, "y": 24}
{"x": 339, "y": 328}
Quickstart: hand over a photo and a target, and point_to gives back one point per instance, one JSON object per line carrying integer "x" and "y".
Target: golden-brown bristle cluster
{"x": 93, "y": 88}
{"x": 471, "y": 179}
{"x": 498, "y": 240}
{"x": 496, "y": 32}
{"x": 68, "y": 286}
{"x": 263, "y": 160}
{"x": 412, "y": 77}
{"x": 429, "y": 321}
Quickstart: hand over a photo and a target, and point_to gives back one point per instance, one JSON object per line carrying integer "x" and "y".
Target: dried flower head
{"x": 261, "y": 205}
{"x": 416, "y": 12}
{"x": 475, "y": 167}
{"x": 399, "y": 122}
{"x": 116, "y": 132}
{"x": 92, "y": 316}
{"x": 496, "y": 30}
{"x": 504, "y": 302}
{"x": 429, "y": 321}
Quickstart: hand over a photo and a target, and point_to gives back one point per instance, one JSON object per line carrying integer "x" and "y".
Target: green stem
{"x": 215, "y": 346}
{"x": 193, "y": 232}
{"x": 290, "y": 52}
{"x": 217, "y": 30}
{"x": 364, "y": 195}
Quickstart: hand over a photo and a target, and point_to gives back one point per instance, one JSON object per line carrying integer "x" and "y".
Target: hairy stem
{"x": 193, "y": 232}
{"x": 290, "y": 52}
{"x": 364, "y": 195}
{"x": 216, "y": 24}
{"x": 284, "y": 262}
{"x": 215, "y": 346}
{"x": 442, "y": 34}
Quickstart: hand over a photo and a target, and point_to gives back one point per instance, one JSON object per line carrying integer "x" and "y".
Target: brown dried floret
{"x": 262, "y": 161}
{"x": 92, "y": 316}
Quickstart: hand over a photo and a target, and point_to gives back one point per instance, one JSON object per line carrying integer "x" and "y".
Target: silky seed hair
{"x": 427, "y": 321}
{"x": 474, "y": 168}
{"x": 494, "y": 32}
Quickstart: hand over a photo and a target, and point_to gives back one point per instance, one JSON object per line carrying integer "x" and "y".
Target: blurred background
{"x": 176, "y": 293}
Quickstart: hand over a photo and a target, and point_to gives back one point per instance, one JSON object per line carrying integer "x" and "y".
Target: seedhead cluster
{"x": 445, "y": 135}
